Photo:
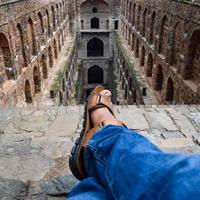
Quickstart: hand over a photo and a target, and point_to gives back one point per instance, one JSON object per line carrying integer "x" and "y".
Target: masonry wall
{"x": 32, "y": 34}
{"x": 164, "y": 37}
{"x": 95, "y": 27}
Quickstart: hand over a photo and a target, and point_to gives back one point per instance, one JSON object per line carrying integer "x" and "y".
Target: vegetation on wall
{"x": 131, "y": 68}
{"x": 79, "y": 81}
{"x": 61, "y": 73}
{"x": 57, "y": 81}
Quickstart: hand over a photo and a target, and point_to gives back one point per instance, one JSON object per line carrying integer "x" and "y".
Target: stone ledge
{"x": 35, "y": 143}
{"x": 6, "y": 2}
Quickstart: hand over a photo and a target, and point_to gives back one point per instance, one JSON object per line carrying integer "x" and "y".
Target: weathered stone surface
{"x": 60, "y": 127}
{"x": 136, "y": 121}
{"x": 171, "y": 134}
{"x": 195, "y": 118}
{"x": 183, "y": 124}
{"x": 41, "y": 160}
{"x": 58, "y": 186}
{"x": 174, "y": 143}
{"x": 11, "y": 189}
{"x": 157, "y": 54}
{"x": 160, "y": 120}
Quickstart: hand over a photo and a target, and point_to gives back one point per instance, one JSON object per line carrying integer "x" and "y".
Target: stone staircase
{"x": 35, "y": 144}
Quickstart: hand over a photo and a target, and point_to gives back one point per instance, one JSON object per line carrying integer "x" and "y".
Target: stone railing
{"x": 5, "y": 2}
{"x": 193, "y": 2}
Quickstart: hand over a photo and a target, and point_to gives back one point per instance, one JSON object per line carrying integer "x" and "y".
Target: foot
{"x": 103, "y": 115}
{"x": 98, "y": 113}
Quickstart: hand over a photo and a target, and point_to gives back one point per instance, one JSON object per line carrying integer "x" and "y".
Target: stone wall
{"x": 32, "y": 34}
{"x": 67, "y": 78}
{"x": 164, "y": 38}
{"x": 95, "y": 27}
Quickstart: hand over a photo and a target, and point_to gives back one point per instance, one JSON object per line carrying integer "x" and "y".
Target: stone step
{"x": 35, "y": 143}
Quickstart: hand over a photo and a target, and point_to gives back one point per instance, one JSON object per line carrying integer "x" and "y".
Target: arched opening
{"x": 44, "y": 67}
{"x": 50, "y": 54}
{"x": 6, "y": 58}
{"x": 62, "y": 37}
{"x": 95, "y": 23}
{"x": 41, "y": 22}
{"x": 36, "y": 79}
{"x": 133, "y": 42}
{"x": 63, "y": 85}
{"x": 95, "y": 47}
{"x": 94, "y": 10}
{"x": 192, "y": 70}
{"x": 152, "y": 28}
{"x": 129, "y": 37}
{"x": 176, "y": 45}
{"x": 159, "y": 78}
{"x": 88, "y": 91}
{"x": 133, "y": 15}
{"x": 150, "y": 66}
{"x": 94, "y": 6}
{"x": 58, "y": 17}
{"x": 48, "y": 23}
{"x": 134, "y": 93}
{"x": 144, "y": 22}
{"x": 163, "y": 36}
{"x": 142, "y": 60}
{"x": 137, "y": 48}
{"x": 126, "y": 93}
{"x": 66, "y": 75}
{"x": 138, "y": 17}
{"x": 61, "y": 13}
{"x": 28, "y": 95}
{"x": 54, "y": 18}
{"x": 95, "y": 75}
{"x": 59, "y": 42}
{"x": 55, "y": 49}
{"x": 61, "y": 97}
{"x": 31, "y": 36}
{"x": 130, "y": 12}
{"x": 170, "y": 90}
{"x": 126, "y": 36}
{"x": 22, "y": 46}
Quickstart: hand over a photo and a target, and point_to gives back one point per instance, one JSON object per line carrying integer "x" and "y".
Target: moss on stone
{"x": 131, "y": 67}
{"x": 57, "y": 81}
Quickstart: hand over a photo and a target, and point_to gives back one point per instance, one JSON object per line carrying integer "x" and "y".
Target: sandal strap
{"x": 100, "y": 105}
{"x": 100, "y": 101}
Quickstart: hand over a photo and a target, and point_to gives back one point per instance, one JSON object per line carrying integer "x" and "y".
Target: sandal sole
{"x": 76, "y": 150}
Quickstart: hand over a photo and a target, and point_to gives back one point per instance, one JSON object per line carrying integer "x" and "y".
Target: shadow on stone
{"x": 53, "y": 189}
{"x": 12, "y": 189}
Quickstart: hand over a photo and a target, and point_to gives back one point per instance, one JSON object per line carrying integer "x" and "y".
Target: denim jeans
{"x": 123, "y": 165}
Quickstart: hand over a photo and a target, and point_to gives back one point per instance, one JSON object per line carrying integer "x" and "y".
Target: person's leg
{"x": 128, "y": 166}
{"x": 88, "y": 189}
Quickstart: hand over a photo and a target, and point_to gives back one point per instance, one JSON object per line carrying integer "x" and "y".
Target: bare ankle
{"x": 103, "y": 115}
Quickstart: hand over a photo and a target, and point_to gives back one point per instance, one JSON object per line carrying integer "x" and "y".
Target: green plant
{"x": 57, "y": 80}
{"x": 131, "y": 68}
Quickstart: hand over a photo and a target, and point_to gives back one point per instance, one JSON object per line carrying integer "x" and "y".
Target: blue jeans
{"x": 124, "y": 165}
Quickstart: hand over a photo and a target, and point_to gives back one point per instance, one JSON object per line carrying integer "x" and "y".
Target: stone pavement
{"x": 35, "y": 143}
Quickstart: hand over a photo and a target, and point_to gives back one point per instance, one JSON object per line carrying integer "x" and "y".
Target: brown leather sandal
{"x": 96, "y": 101}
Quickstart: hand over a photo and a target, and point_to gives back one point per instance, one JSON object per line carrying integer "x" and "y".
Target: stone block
{"x": 171, "y": 134}
{"x": 160, "y": 120}
{"x": 175, "y": 143}
{"x": 184, "y": 125}
{"x": 134, "y": 120}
